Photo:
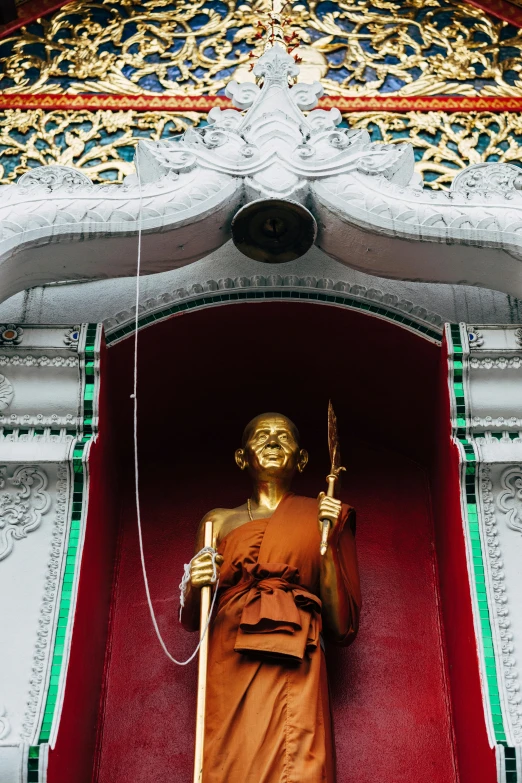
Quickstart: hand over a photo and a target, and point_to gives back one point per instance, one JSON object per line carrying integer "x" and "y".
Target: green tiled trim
{"x": 469, "y": 479}
{"x": 334, "y": 297}
{"x": 33, "y": 763}
{"x": 89, "y": 379}
{"x": 510, "y": 765}
{"x": 458, "y": 384}
{"x": 71, "y": 558}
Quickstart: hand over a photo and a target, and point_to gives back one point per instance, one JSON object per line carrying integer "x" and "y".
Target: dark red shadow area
{"x": 202, "y": 376}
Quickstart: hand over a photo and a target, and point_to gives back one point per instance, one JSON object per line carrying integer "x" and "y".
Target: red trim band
{"x": 203, "y": 103}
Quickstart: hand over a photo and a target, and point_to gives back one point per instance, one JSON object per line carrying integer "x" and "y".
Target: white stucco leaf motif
{"x": 510, "y": 499}
{"x": 6, "y": 392}
{"x": 5, "y": 726}
{"x": 23, "y": 503}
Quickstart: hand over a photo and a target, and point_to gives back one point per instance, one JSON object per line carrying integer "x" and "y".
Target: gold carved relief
{"x": 102, "y": 143}
{"x": 362, "y": 47}
{"x": 444, "y": 143}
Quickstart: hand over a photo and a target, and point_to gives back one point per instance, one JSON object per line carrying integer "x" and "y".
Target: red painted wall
{"x": 475, "y": 757}
{"x": 201, "y": 377}
{"x": 391, "y": 715}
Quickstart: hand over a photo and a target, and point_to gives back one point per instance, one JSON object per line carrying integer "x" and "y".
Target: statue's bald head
{"x": 270, "y": 416}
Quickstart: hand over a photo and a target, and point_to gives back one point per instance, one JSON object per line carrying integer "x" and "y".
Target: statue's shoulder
{"x": 219, "y": 518}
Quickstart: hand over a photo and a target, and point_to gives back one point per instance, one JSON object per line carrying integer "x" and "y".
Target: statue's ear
{"x": 240, "y": 459}
{"x": 303, "y": 460}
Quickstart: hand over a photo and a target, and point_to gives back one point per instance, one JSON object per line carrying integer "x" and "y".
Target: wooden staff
{"x": 206, "y": 594}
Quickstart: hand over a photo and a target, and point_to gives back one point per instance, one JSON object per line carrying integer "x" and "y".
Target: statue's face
{"x": 271, "y": 449}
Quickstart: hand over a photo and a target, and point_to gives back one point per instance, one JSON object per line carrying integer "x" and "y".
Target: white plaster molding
{"x": 507, "y": 628}
{"x": 6, "y": 392}
{"x": 494, "y": 378}
{"x": 54, "y": 177}
{"x": 510, "y": 499}
{"x": 503, "y": 594}
{"x": 505, "y": 424}
{"x": 13, "y": 762}
{"x": 71, "y": 337}
{"x": 371, "y": 212}
{"x": 40, "y": 420}
{"x": 186, "y": 212}
{"x": 39, "y": 455}
{"x": 11, "y": 334}
{"x": 38, "y": 361}
{"x": 500, "y": 363}
{"x": 502, "y": 178}
{"x": 5, "y": 726}
{"x": 275, "y": 282}
{"x": 486, "y": 383}
{"x": 23, "y": 502}
{"x": 45, "y": 634}
{"x": 473, "y": 227}
{"x": 494, "y": 340}
{"x": 475, "y": 338}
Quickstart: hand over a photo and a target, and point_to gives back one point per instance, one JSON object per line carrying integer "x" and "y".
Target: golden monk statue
{"x": 268, "y": 715}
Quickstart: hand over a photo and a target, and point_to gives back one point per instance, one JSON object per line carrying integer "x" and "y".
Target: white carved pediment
{"x": 372, "y": 213}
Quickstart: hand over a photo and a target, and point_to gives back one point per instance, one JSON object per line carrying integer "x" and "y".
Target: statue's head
{"x": 271, "y": 448}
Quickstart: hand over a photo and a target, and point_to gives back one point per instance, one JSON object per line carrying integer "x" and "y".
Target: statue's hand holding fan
{"x": 333, "y": 476}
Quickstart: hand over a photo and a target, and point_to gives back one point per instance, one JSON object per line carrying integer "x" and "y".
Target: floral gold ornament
{"x": 445, "y": 144}
{"x": 101, "y": 144}
{"x": 392, "y": 47}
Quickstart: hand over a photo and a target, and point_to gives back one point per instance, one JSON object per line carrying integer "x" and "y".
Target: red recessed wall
{"x": 202, "y": 376}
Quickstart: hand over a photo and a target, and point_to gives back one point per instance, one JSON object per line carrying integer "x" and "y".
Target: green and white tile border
{"x": 485, "y": 381}
{"x": 53, "y": 383}
{"x": 78, "y": 490}
{"x": 277, "y": 288}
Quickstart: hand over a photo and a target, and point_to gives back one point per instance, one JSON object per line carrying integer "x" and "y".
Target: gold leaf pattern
{"x": 102, "y": 143}
{"x": 177, "y": 47}
{"x": 444, "y": 143}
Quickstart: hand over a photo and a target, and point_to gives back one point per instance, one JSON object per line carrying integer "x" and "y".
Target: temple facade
{"x": 213, "y": 208}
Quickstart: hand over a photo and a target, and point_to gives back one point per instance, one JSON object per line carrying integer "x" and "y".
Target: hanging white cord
{"x": 134, "y": 396}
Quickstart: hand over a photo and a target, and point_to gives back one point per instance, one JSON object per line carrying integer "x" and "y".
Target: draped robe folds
{"x": 268, "y": 715}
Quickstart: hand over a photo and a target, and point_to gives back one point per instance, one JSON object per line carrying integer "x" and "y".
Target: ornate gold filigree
{"x": 444, "y": 143}
{"x": 405, "y": 47}
{"x": 102, "y": 143}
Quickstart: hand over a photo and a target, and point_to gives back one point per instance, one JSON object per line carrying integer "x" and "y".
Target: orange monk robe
{"x": 268, "y": 715}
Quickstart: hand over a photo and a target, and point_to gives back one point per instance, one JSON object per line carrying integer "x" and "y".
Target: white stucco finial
{"x": 276, "y": 36}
